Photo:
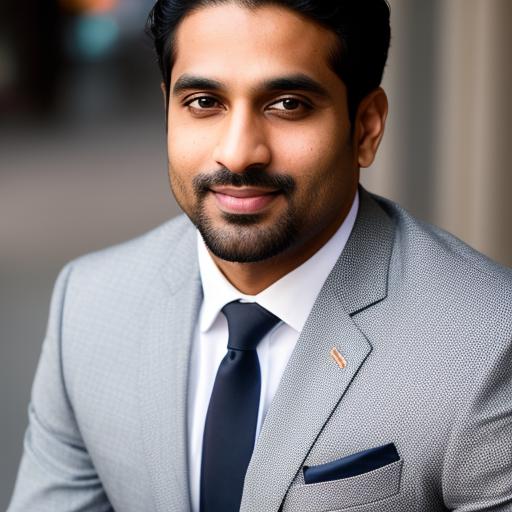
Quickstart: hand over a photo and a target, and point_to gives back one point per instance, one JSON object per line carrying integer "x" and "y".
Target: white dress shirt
{"x": 291, "y": 299}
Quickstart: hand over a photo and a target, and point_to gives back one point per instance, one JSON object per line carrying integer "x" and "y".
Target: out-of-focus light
{"x": 94, "y": 36}
{"x": 88, "y": 6}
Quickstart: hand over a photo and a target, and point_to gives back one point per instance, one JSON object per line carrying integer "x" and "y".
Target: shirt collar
{"x": 280, "y": 298}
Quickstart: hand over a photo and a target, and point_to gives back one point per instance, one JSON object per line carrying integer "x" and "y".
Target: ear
{"x": 369, "y": 126}
{"x": 164, "y": 92}
{"x": 166, "y": 106}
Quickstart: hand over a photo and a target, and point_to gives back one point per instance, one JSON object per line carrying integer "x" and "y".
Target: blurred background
{"x": 83, "y": 158}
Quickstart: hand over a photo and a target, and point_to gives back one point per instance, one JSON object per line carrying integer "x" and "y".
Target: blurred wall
{"x": 82, "y": 149}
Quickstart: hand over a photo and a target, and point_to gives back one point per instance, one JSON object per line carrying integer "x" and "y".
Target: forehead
{"x": 236, "y": 43}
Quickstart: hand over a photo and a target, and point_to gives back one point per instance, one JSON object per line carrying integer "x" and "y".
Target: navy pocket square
{"x": 352, "y": 465}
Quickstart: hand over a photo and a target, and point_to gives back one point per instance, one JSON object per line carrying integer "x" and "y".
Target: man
{"x": 373, "y": 373}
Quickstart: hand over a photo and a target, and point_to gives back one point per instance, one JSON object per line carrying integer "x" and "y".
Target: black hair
{"x": 362, "y": 28}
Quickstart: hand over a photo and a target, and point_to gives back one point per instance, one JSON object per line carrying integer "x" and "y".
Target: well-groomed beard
{"x": 242, "y": 238}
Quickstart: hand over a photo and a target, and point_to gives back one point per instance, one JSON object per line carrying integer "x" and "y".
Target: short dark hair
{"x": 362, "y": 28}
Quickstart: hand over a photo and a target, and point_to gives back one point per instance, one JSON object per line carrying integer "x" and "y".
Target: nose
{"x": 242, "y": 142}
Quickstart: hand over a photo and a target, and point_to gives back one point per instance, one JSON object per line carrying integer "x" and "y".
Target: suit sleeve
{"x": 477, "y": 472}
{"x": 56, "y": 473}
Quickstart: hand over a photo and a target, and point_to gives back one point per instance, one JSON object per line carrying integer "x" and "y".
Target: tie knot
{"x": 248, "y": 323}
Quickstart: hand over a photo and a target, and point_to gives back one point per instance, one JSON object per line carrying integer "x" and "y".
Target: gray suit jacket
{"x": 423, "y": 322}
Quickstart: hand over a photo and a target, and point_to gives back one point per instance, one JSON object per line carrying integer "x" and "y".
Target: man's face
{"x": 259, "y": 141}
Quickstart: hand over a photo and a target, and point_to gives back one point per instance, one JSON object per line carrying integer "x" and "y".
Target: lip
{"x": 244, "y": 200}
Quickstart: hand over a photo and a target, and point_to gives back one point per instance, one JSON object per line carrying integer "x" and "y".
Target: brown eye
{"x": 291, "y": 103}
{"x": 203, "y": 106}
{"x": 206, "y": 102}
{"x": 290, "y": 106}
{"x": 202, "y": 103}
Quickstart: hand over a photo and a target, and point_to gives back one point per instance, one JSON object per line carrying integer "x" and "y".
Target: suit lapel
{"x": 313, "y": 383}
{"x": 163, "y": 377}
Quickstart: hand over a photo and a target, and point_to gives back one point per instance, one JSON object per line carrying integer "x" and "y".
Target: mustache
{"x": 249, "y": 178}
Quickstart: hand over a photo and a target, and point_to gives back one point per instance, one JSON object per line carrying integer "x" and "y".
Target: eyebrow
{"x": 190, "y": 82}
{"x": 295, "y": 82}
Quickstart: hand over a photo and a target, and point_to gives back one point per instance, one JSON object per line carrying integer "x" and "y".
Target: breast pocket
{"x": 342, "y": 494}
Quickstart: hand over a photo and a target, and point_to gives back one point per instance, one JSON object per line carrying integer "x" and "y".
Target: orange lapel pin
{"x": 340, "y": 360}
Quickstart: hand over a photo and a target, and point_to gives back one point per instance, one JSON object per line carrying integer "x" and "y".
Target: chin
{"x": 246, "y": 239}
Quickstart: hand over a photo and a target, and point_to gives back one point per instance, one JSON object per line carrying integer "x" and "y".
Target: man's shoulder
{"x": 431, "y": 266}
{"x": 436, "y": 247}
{"x": 136, "y": 260}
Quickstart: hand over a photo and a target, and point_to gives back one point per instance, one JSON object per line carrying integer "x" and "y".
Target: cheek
{"x": 314, "y": 146}
{"x": 180, "y": 151}
{"x": 180, "y": 165}
{"x": 319, "y": 154}
{"x": 187, "y": 146}
{"x": 321, "y": 162}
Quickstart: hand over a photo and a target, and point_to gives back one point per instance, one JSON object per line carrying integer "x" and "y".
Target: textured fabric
{"x": 366, "y": 489}
{"x": 422, "y": 320}
{"x": 274, "y": 350}
{"x": 230, "y": 426}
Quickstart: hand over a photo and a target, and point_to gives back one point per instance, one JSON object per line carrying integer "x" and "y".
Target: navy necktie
{"x": 230, "y": 427}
